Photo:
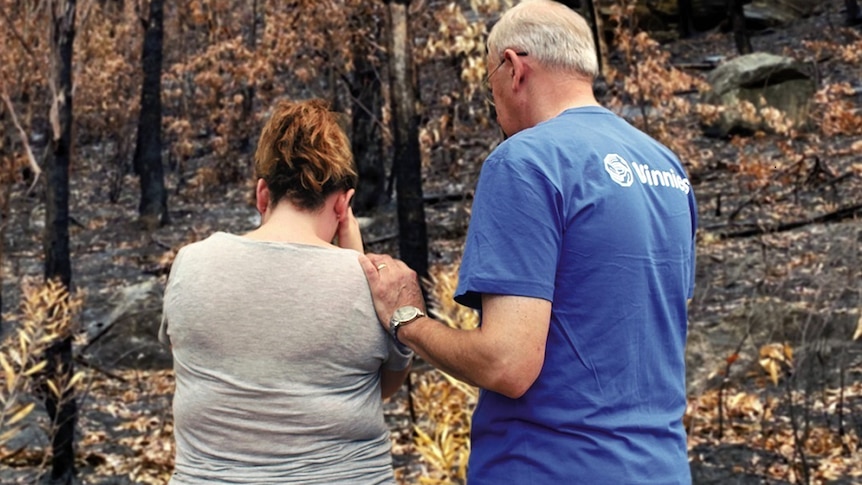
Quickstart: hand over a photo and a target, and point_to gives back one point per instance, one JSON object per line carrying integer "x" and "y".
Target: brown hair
{"x": 303, "y": 154}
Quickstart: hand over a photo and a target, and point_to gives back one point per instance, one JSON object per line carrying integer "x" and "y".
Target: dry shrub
{"x": 651, "y": 85}
{"x": 212, "y": 87}
{"x": 762, "y": 422}
{"x": 106, "y": 79}
{"x": 444, "y": 405}
{"x": 847, "y": 46}
{"x": 459, "y": 38}
{"x": 232, "y": 71}
{"x": 23, "y": 74}
{"x": 107, "y": 60}
{"x": 759, "y": 114}
{"x": 463, "y": 42}
{"x": 107, "y": 87}
{"x": 48, "y": 315}
{"x": 24, "y": 56}
{"x": 442, "y": 282}
{"x": 835, "y": 106}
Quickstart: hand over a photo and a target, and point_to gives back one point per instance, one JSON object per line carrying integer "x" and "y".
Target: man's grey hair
{"x": 552, "y": 33}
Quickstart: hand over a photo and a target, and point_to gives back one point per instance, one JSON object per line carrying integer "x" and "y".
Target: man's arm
{"x": 505, "y": 354}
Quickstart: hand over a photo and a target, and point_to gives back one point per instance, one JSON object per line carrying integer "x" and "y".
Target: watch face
{"x": 405, "y": 313}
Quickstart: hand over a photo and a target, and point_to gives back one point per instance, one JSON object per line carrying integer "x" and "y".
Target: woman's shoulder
{"x": 214, "y": 240}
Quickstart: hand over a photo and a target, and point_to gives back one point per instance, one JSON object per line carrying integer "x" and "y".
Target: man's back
{"x": 589, "y": 213}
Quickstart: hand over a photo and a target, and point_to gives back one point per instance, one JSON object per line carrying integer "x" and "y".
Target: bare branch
{"x": 30, "y": 158}
{"x": 846, "y": 212}
{"x": 15, "y": 33}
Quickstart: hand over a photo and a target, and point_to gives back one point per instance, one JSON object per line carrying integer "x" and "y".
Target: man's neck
{"x": 557, "y": 93}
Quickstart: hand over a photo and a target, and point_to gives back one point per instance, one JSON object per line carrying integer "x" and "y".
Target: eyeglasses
{"x": 487, "y": 84}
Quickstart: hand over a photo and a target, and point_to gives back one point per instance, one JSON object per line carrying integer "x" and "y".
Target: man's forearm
{"x": 439, "y": 345}
{"x": 505, "y": 354}
{"x": 459, "y": 353}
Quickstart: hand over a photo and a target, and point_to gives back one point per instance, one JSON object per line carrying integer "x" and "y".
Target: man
{"x": 580, "y": 255}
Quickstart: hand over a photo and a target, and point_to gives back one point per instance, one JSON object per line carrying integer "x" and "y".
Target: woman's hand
{"x": 348, "y": 234}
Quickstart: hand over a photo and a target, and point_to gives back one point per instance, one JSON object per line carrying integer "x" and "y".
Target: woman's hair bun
{"x": 303, "y": 153}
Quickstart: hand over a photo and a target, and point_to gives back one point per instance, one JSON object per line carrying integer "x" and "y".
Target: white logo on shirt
{"x": 661, "y": 178}
{"x": 619, "y": 170}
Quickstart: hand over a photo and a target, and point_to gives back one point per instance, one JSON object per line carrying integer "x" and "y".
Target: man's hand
{"x": 393, "y": 285}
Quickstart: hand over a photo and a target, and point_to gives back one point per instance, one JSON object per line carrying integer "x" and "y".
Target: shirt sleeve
{"x": 398, "y": 359}
{"x": 515, "y": 235}
{"x": 693, "y": 263}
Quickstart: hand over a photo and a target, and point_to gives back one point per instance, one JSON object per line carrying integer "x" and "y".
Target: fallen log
{"x": 834, "y": 216}
{"x": 431, "y": 199}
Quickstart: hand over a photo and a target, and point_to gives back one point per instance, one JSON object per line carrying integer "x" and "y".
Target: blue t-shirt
{"x": 593, "y": 215}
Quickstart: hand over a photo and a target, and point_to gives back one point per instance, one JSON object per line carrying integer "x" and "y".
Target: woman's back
{"x": 277, "y": 353}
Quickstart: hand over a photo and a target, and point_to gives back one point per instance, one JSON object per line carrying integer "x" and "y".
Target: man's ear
{"x": 342, "y": 203}
{"x": 519, "y": 69}
{"x": 262, "y": 193}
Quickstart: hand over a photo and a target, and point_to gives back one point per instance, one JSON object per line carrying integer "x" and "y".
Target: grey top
{"x": 277, "y": 354}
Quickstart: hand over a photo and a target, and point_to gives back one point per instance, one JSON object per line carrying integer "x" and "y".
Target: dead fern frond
{"x": 48, "y": 314}
{"x": 444, "y": 405}
{"x": 441, "y": 285}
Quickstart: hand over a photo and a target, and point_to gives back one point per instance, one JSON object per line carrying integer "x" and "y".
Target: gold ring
{"x": 381, "y": 266}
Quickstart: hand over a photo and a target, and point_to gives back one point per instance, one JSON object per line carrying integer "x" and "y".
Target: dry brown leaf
{"x": 21, "y": 414}
{"x": 858, "y": 332}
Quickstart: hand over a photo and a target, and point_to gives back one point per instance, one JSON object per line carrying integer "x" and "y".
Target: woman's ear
{"x": 342, "y": 203}
{"x": 262, "y": 194}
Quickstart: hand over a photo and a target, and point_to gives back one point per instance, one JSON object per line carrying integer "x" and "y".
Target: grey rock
{"x": 765, "y": 81}
{"x": 775, "y": 13}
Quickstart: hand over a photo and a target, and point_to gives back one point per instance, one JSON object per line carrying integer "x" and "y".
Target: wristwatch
{"x": 403, "y": 316}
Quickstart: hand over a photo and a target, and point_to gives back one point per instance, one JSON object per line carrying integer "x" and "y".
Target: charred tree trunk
{"x": 153, "y": 208}
{"x": 736, "y": 15}
{"x": 587, "y": 9}
{"x": 851, "y": 8}
{"x": 686, "y": 19}
{"x": 413, "y": 239}
{"x": 62, "y": 410}
{"x": 598, "y": 36}
{"x": 366, "y": 136}
{"x": 575, "y": 5}
{"x": 248, "y": 91}
{"x": 4, "y": 224}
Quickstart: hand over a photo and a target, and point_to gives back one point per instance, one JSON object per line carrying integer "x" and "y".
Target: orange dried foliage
{"x": 650, "y": 85}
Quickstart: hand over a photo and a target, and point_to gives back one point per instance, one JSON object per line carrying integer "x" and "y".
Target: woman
{"x": 280, "y": 361}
